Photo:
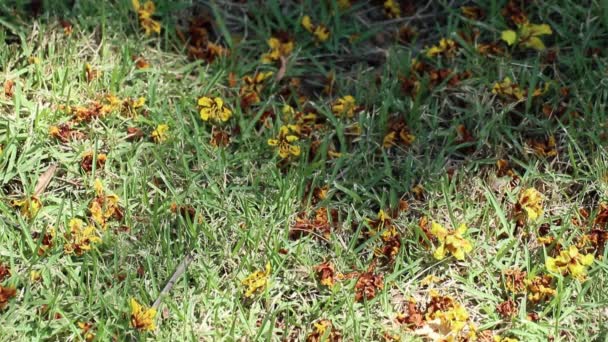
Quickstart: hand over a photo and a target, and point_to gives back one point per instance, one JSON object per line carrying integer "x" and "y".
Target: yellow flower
{"x": 160, "y": 134}
{"x": 392, "y": 9}
{"x": 145, "y": 14}
{"x": 527, "y": 35}
{"x": 446, "y": 47}
{"x": 278, "y": 48}
{"x": 256, "y": 281}
{"x": 285, "y": 142}
{"x": 28, "y": 207}
{"x": 531, "y": 201}
{"x": 103, "y": 207}
{"x": 570, "y": 262}
{"x": 142, "y": 318}
{"x": 321, "y": 32}
{"x": 214, "y": 109}
{"x": 451, "y": 241}
{"x": 451, "y": 316}
{"x": 80, "y": 238}
{"x": 508, "y": 89}
{"x": 344, "y": 106}
{"x": 252, "y": 88}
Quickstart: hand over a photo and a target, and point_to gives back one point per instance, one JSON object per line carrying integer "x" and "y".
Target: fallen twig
{"x": 181, "y": 268}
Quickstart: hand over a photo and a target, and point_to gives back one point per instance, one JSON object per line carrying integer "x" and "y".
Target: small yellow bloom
{"x": 28, "y": 207}
{"x": 451, "y": 241}
{"x": 285, "y": 141}
{"x": 508, "y": 89}
{"x": 527, "y": 35}
{"x": 571, "y": 262}
{"x": 278, "y": 48}
{"x": 145, "y": 14}
{"x": 142, "y": 318}
{"x": 214, "y": 109}
{"x": 392, "y": 9}
{"x": 35, "y": 276}
{"x": 256, "y": 281}
{"x": 160, "y": 134}
{"x": 446, "y": 47}
{"x": 531, "y": 201}
{"x": 344, "y": 106}
{"x": 452, "y": 316}
{"x": 321, "y": 32}
{"x": 80, "y": 238}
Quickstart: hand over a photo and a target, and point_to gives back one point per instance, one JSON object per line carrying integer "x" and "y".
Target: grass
{"x": 237, "y": 208}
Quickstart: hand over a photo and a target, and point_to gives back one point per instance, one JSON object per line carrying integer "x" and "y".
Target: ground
{"x": 304, "y": 171}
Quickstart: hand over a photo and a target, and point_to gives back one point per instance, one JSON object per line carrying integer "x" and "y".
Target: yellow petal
{"x": 205, "y": 113}
{"x": 273, "y": 142}
{"x": 295, "y": 150}
{"x": 551, "y": 265}
{"x": 587, "y": 260}
{"x": 535, "y": 43}
{"x": 509, "y": 36}
{"x": 307, "y": 23}
{"x": 205, "y": 101}
{"x": 540, "y": 30}
{"x": 439, "y": 253}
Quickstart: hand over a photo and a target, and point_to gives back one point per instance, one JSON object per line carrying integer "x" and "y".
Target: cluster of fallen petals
{"x": 80, "y": 238}
{"x": 442, "y": 319}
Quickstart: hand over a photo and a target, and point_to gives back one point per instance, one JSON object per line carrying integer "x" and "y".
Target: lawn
{"x": 303, "y": 170}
